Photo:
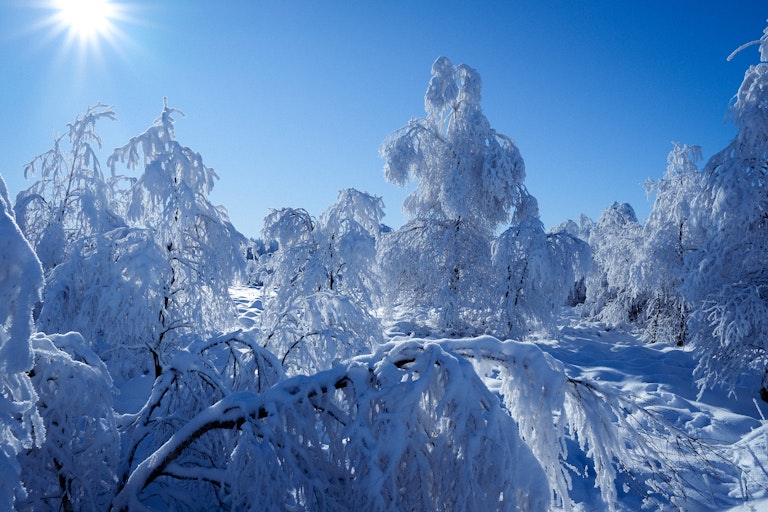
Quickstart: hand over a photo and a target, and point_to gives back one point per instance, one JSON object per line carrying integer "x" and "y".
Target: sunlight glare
{"x": 86, "y": 19}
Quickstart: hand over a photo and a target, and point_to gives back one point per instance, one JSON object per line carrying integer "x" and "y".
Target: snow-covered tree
{"x": 107, "y": 289}
{"x": 202, "y": 247}
{"x": 613, "y": 294}
{"x": 437, "y": 273}
{"x": 75, "y": 468}
{"x": 71, "y": 198}
{"x": 579, "y": 428}
{"x": 536, "y": 273}
{"x": 580, "y": 229}
{"x": 579, "y": 232}
{"x": 321, "y": 282}
{"x": 463, "y": 168}
{"x": 332, "y": 253}
{"x": 729, "y": 276}
{"x": 351, "y": 228}
{"x": 21, "y": 278}
{"x": 670, "y": 235}
{"x": 469, "y": 180}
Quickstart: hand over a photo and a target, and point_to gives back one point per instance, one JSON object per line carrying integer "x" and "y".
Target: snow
{"x": 752, "y": 506}
{"x": 248, "y": 303}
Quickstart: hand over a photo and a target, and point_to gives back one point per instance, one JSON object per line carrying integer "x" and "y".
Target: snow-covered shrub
{"x": 578, "y": 428}
{"x": 199, "y": 375}
{"x": 21, "y": 278}
{"x": 316, "y": 331}
{"x": 414, "y": 427}
{"x": 74, "y": 469}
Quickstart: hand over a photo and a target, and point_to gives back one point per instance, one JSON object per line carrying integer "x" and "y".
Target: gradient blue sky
{"x": 289, "y": 100}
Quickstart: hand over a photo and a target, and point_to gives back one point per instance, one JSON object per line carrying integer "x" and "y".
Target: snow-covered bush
{"x": 579, "y": 428}
{"x": 415, "y": 427}
{"x": 199, "y": 375}
{"x": 74, "y": 469}
{"x": 316, "y": 331}
{"x": 21, "y": 278}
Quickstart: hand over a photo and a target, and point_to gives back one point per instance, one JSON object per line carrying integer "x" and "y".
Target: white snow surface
{"x": 728, "y": 434}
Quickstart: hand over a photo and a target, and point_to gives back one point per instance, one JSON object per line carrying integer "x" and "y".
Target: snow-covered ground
{"x": 659, "y": 377}
{"x": 727, "y": 434}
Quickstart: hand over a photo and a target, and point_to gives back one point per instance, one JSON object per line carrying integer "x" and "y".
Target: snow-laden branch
{"x": 632, "y": 447}
{"x": 410, "y": 427}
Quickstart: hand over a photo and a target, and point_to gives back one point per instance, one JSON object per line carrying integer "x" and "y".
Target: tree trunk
{"x": 64, "y": 485}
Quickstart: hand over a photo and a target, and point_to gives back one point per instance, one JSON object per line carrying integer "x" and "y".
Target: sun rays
{"x": 86, "y": 20}
{"x": 83, "y": 30}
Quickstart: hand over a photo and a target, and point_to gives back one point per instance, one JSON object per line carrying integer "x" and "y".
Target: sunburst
{"x": 86, "y": 20}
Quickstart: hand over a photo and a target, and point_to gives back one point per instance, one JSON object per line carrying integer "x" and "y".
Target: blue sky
{"x": 289, "y": 100}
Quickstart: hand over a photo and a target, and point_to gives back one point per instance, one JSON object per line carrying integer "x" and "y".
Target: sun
{"x": 85, "y": 20}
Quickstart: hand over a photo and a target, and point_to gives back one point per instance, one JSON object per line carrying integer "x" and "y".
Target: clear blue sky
{"x": 289, "y": 100}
